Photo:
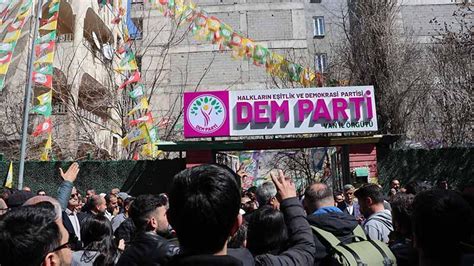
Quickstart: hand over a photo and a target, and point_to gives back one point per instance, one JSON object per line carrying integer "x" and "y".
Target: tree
{"x": 446, "y": 114}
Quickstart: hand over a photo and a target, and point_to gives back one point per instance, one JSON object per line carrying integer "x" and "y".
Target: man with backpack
{"x": 378, "y": 223}
{"x": 319, "y": 205}
{"x": 338, "y": 238}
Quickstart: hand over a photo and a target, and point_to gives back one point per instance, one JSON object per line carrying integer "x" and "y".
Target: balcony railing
{"x": 67, "y": 37}
{"x": 83, "y": 113}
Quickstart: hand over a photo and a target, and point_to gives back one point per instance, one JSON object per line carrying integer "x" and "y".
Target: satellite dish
{"x": 96, "y": 40}
{"x": 108, "y": 51}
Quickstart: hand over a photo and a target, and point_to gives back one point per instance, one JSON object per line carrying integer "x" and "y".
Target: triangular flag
{"x": 44, "y": 155}
{"x": 45, "y": 97}
{"x": 148, "y": 118}
{"x": 153, "y": 133}
{"x": 5, "y": 58}
{"x": 50, "y": 19}
{"x": 45, "y": 70}
{"x": 54, "y": 8}
{"x": 44, "y": 48}
{"x": 50, "y": 26}
{"x": 137, "y": 92}
{"x": 45, "y": 59}
{"x": 136, "y": 157}
{"x": 26, "y": 5}
{"x": 46, "y": 38}
{"x": 9, "y": 179}
{"x": 2, "y": 83}
{"x": 6, "y": 47}
{"x": 134, "y": 78}
{"x": 23, "y": 15}
{"x": 46, "y": 126}
{"x": 17, "y": 25}
{"x": 49, "y": 143}
{"x": 44, "y": 110}
{"x": 136, "y": 134}
{"x": 12, "y": 36}
{"x": 45, "y": 80}
{"x": 128, "y": 67}
{"x": 143, "y": 104}
{"x": 4, "y": 69}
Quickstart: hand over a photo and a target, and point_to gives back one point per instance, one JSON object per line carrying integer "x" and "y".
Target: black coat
{"x": 340, "y": 224}
{"x": 300, "y": 242}
{"x": 148, "y": 249}
{"x": 73, "y": 238}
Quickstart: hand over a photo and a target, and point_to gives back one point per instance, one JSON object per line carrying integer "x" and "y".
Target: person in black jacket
{"x": 148, "y": 213}
{"x": 204, "y": 211}
{"x": 319, "y": 205}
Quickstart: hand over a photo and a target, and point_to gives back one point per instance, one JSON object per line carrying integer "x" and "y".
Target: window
{"x": 319, "y": 27}
{"x": 321, "y": 62}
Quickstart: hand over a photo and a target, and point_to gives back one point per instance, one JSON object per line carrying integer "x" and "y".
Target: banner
{"x": 275, "y": 112}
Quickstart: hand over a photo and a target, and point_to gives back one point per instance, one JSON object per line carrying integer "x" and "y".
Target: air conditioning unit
{"x": 315, "y": 1}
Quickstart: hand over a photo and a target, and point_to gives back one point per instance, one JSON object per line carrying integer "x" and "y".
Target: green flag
{"x": 45, "y": 70}
{"x": 137, "y": 92}
{"x": 294, "y": 71}
{"x": 46, "y": 38}
{"x": 25, "y": 6}
{"x": 6, "y": 47}
{"x": 2, "y": 83}
{"x": 43, "y": 109}
{"x": 54, "y": 8}
{"x": 153, "y": 133}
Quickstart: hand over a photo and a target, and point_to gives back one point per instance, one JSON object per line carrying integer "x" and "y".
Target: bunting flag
{"x": 3, "y": 70}
{"x": 44, "y": 110}
{"x": 143, "y": 104}
{"x": 12, "y": 36}
{"x": 136, "y": 134}
{"x": 45, "y": 98}
{"x": 46, "y": 38}
{"x": 44, "y": 80}
{"x": 153, "y": 133}
{"x": 148, "y": 118}
{"x": 50, "y": 26}
{"x": 44, "y": 155}
{"x": 5, "y": 58}
{"x": 6, "y": 47}
{"x": 49, "y": 143}
{"x": 138, "y": 91}
{"x": 17, "y": 25}
{"x": 9, "y": 179}
{"x": 210, "y": 28}
{"x": 45, "y": 59}
{"x": 132, "y": 79}
{"x": 45, "y": 70}
{"x": 47, "y": 47}
{"x": 44, "y": 127}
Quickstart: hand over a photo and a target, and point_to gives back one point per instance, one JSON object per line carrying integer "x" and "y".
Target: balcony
{"x": 137, "y": 5}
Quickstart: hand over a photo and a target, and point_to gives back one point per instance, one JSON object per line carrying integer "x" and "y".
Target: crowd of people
{"x": 206, "y": 219}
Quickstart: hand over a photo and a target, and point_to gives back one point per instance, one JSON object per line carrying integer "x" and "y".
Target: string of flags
{"x": 142, "y": 127}
{"x": 14, "y": 27}
{"x": 42, "y": 75}
{"x": 206, "y": 27}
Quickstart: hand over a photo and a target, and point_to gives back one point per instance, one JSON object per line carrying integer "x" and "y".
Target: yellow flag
{"x": 136, "y": 134}
{"x": 132, "y": 65}
{"x": 48, "y": 143}
{"x": 12, "y": 36}
{"x": 50, "y": 26}
{"x": 47, "y": 58}
{"x": 45, "y": 97}
{"x": 24, "y": 14}
{"x": 143, "y": 104}
{"x": 44, "y": 155}
{"x": 4, "y": 68}
{"x": 9, "y": 179}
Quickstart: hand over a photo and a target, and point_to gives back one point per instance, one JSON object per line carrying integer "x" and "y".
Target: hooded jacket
{"x": 340, "y": 224}
{"x": 379, "y": 225}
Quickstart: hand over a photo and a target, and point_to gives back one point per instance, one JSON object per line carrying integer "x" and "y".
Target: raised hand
{"x": 71, "y": 173}
{"x": 285, "y": 186}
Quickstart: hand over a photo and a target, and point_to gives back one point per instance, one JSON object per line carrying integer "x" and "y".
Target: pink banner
{"x": 206, "y": 114}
